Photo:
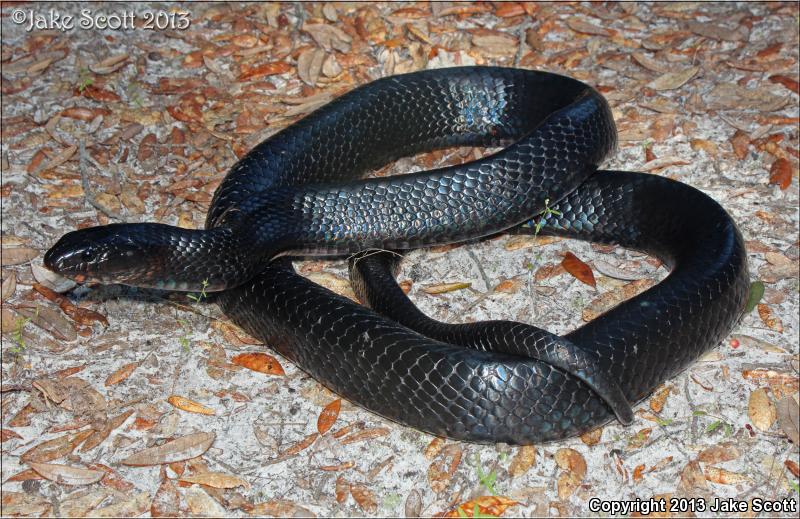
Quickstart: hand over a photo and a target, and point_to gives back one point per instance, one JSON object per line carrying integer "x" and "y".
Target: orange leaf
{"x": 781, "y": 173}
{"x": 121, "y": 374}
{"x": 328, "y": 416}
{"x": 99, "y": 94}
{"x": 189, "y": 405}
{"x": 578, "y": 268}
{"x": 301, "y": 445}
{"x": 790, "y": 83}
{"x": 486, "y": 505}
{"x": 260, "y": 362}
{"x": 265, "y": 69}
{"x": 8, "y": 434}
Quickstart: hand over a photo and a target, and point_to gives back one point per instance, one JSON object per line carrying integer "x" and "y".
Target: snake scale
{"x": 301, "y": 193}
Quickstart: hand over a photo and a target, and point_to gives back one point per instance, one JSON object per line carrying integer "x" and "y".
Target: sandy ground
{"x": 704, "y": 93}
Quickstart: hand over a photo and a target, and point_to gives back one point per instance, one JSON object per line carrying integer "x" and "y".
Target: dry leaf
{"x": 183, "y": 448}
{"x": 659, "y": 399}
{"x": 366, "y": 434}
{"x": 611, "y": 299}
{"x": 780, "y": 173}
{"x": 129, "y": 506}
{"x": 329, "y": 37}
{"x": 264, "y": 69}
{"x": 260, "y": 362}
{"x": 66, "y": 475}
{"x": 17, "y": 256}
{"x": 673, "y": 80}
{"x": 97, "y": 437}
{"x": 578, "y": 25}
{"x": 768, "y": 318}
{"x": 487, "y": 506}
{"x": 309, "y": 65}
{"x": 724, "y": 477}
{"x": 9, "y": 286}
{"x": 718, "y": 454}
{"x": 730, "y": 96}
{"x": 761, "y": 410}
{"x": 25, "y": 504}
{"x": 364, "y": 497}
{"x": 580, "y": 270}
{"x": 740, "y": 142}
{"x": 121, "y": 374}
{"x": 444, "y": 288}
{"x": 790, "y": 83}
{"x": 280, "y": 508}
{"x": 592, "y": 437}
{"x": 692, "y": 478}
{"x": 301, "y": 445}
{"x": 522, "y": 461}
{"x": 190, "y": 406}
{"x": 788, "y": 413}
{"x": 167, "y": 501}
{"x": 574, "y": 470}
{"x": 216, "y": 480}
{"x": 53, "y": 449}
{"x": 441, "y": 471}
{"x": 328, "y": 416}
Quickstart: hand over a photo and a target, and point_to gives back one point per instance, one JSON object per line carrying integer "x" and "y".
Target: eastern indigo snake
{"x": 300, "y": 193}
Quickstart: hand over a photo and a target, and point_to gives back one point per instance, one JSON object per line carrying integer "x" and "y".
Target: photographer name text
{"x": 87, "y": 19}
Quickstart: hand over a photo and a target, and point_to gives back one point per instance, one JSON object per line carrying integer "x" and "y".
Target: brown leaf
{"x": 790, "y": 83}
{"x": 260, "y": 362}
{"x": 592, "y": 437}
{"x": 508, "y": 286}
{"x": 329, "y": 37}
{"x": 53, "y": 449}
{"x": 718, "y": 454}
{"x": 183, "y": 448}
{"x": 578, "y": 25}
{"x": 9, "y": 286}
{"x": 328, "y": 416}
{"x": 309, "y": 65}
{"x": 79, "y": 315}
{"x": 692, "y": 478}
{"x": 121, "y": 374}
{"x": 612, "y": 298}
{"x": 100, "y": 94}
{"x": 17, "y": 256}
{"x": 301, "y": 445}
{"x": 522, "y": 461}
{"x": 673, "y": 80}
{"x": 27, "y": 504}
{"x": 364, "y": 497}
{"x": 788, "y": 418}
{"x": 704, "y": 145}
{"x": 190, "y": 406}
{"x": 66, "y": 475}
{"x": 167, "y": 501}
{"x": 793, "y": 467}
{"x": 574, "y": 470}
{"x": 730, "y": 96}
{"x": 659, "y": 398}
{"x": 780, "y": 173}
{"x": 768, "y": 318}
{"x": 580, "y": 270}
{"x": 441, "y": 471}
{"x": 280, "y": 508}
{"x": 131, "y": 505}
{"x": 264, "y": 69}
{"x": 761, "y": 410}
{"x": 741, "y": 144}
{"x": 444, "y": 288}
{"x": 97, "y": 437}
{"x": 342, "y": 488}
{"x": 488, "y": 506}
{"x": 724, "y": 477}
{"x": 366, "y": 434}
{"x": 8, "y": 434}
{"x": 216, "y": 480}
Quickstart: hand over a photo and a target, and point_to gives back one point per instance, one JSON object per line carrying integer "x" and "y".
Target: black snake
{"x": 300, "y": 193}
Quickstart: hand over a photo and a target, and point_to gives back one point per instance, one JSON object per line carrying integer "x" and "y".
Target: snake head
{"x": 105, "y": 254}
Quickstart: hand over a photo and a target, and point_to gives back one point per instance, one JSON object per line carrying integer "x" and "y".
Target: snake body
{"x": 299, "y": 192}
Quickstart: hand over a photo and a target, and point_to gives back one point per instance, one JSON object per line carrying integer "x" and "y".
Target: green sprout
{"x": 18, "y": 337}
{"x": 487, "y": 480}
{"x": 85, "y": 79}
{"x": 202, "y": 295}
{"x": 184, "y": 339}
{"x": 544, "y": 214}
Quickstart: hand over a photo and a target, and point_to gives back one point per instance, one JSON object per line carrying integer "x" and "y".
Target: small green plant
{"x": 487, "y": 480}
{"x": 134, "y": 92}
{"x": 476, "y": 512}
{"x": 202, "y": 295}
{"x": 548, "y": 211}
{"x": 184, "y": 339}
{"x": 85, "y": 79}
{"x": 18, "y": 335}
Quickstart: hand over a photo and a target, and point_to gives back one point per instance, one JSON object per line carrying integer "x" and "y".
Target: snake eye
{"x": 88, "y": 255}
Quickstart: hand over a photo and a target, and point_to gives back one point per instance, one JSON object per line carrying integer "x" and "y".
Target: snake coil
{"x": 300, "y": 193}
